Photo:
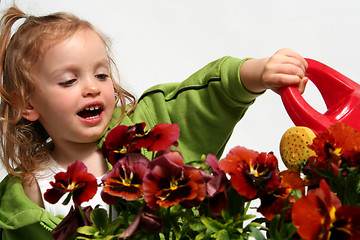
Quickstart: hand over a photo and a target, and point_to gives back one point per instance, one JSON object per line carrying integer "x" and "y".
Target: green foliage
{"x": 102, "y": 228}
{"x": 346, "y": 184}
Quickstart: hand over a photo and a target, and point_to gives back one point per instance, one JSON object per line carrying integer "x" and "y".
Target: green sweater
{"x": 206, "y": 107}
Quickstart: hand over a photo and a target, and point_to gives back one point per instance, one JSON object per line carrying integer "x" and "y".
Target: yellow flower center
{"x": 121, "y": 151}
{"x": 254, "y": 171}
{"x": 173, "y": 184}
{"x": 332, "y": 214}
{"x": 71, "y": 186}
{"x": 337, "y": 152}
{"x": 126, "y": 181}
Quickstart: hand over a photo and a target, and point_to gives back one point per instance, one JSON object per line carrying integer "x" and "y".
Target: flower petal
{"x": 213, "y": 162}
{"x": 125, "y": 179}
{"x": 71, "y": 222}
{"x": 309, "y": 215}
{"x": 161, "y": 137}
{"x": 169, "y": 182}
{"x": 236, "y": 155}
{"x": 146, "y": 220}
{"x": 250, "y": 171}
{"x": 347, "y": 224}
{"x": 53, "y": 195}
{"x": 77, "y": 180}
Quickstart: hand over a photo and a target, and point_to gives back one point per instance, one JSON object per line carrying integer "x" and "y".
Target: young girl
{"x": 59, "y": 97}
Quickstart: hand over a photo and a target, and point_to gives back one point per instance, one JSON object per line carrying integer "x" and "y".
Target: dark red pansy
{"x": 352, "y": 158}
{"x": 146, "y": 221}
{"x": 331, "y": 145}
{"x": 124, "y": 139}
{"x": 116, "y": 144}
{"x": 125, "y": 179}
{"x": 121, "y": 140}
{"x": 73, "y": 220}
{"x": 169, "y": 182}
{"x": 216, "y": 186}
{"x": 274, "y": 203}
{"x": 251, "y": 171}
{"x": 161, "y": 137}
{"x": 77, "y": 181}
{"x": 320, "y": 215}
{"x": 347, "y": 224}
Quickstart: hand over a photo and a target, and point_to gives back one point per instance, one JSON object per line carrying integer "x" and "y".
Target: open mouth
{"x": 90, "y": 112}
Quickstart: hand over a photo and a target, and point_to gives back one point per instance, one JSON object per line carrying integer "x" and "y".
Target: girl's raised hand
{"x": 284, "y": 68}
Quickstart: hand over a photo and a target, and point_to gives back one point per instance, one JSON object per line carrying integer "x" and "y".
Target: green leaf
{"x": 328, "y": 174}
{"x": 99, "y": 218}
{"x": 107, "y": 238}
{"x": 212, "y": 224}
{"x": 197, "y": 227}
{"x": 176, "y": 230}
{"x": 273, "y": 227}
{"x": 82, "y": 238}
{"x": 257, "y": 234}
{"x": 254, "y": 225}
{"x": 202, "y": 236}
{"x": 245, "y": 217}
{"x": 87, "y": 230}
{"x": 291, "y": 230}
{"x": 351, "y": 189}
{"x": 236, "y": 203}
{"x": 223, "y": 235}
{"x": 114, "y": 227}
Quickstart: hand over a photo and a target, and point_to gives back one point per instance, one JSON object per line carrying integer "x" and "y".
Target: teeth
{"x": 92, "y": 108}
{"x": 93, "y": 116}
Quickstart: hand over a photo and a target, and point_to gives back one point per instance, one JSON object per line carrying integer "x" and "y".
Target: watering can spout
{"x": 341, "y": 96}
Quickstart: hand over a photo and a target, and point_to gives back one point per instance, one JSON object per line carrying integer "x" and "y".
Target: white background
{"x": 158, "y": 41}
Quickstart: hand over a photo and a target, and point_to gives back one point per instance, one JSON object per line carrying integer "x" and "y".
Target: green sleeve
{"x": 20, "y": 218}
{"x": 206, "y": 107}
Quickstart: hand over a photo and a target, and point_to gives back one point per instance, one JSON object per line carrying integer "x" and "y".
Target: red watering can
{"x": 341, "y": 96}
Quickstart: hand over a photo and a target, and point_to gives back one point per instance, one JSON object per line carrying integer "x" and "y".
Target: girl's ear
{"x": 30, "y": 113}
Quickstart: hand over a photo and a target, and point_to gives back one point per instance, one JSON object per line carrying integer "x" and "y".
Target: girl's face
{"x": 74, "y": 96}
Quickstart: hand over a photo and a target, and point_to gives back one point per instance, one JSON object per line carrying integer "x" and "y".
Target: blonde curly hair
{"x": 24, "y": 143}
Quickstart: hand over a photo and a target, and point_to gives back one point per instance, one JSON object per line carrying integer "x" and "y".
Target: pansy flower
{"x": 125, "y": 139}
{"x": 216, "y": 186}
{"x": 73, "y": 220}
{"x": 146, "y": 221}
{"x": 76, "y": 181}
{"x": 125, "y": 179}
{"x": 160, "y": 137}
{"x": 320, "y": 216}
{"x": 274, "y": 203}
{"x": 169, "y": 182}
{"x": 120, "y": 141}
{"x": 331, "y": 145}
{"x": 251, "y": 171}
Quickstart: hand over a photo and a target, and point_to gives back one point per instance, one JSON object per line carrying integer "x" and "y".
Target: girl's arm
{"x": 284, "y": 68}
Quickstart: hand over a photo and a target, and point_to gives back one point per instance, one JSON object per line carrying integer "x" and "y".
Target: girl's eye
{"x": 102, "y": 76}
{"x": 68, "y": 83}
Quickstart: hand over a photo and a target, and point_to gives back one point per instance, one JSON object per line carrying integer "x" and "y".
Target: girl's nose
{"x": 91, "y": 88}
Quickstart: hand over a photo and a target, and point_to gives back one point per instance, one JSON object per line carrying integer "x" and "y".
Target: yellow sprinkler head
{"x": 294, "y": 146}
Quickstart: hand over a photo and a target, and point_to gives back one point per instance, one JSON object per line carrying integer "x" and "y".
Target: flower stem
{"x": 167, "y": 219}
{"x": 110, "y": 212}
{"x": 67, "y": 199}
{"x": 247, "y": 207}
{"x": 82, "y": 214}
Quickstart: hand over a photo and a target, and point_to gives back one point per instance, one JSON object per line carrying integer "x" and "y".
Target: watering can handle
{"x": 334, "y": 87}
